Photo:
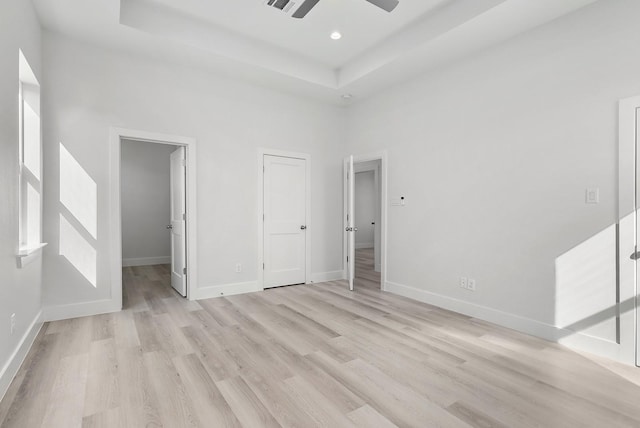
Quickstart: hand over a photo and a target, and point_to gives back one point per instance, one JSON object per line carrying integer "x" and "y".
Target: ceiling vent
{"x": 294, "y": 8}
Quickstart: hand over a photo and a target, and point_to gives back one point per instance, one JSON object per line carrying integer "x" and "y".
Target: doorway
{"x": 153, "y": 210}
{"x": 364, "y": 238}
{"x": 367, "y": 216}
{"x": 628, "y": 286}
{"x": 184, "y": 226}
{"x": 285, "y": 218}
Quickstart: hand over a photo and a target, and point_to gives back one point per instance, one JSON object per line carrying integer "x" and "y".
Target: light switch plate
{"x": 592, "y": 195}
{"x": 471, "y": 284}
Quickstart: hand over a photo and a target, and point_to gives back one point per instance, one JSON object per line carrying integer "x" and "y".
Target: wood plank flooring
{"x": 365, "y": 274}
{"x": 305, "y": 356}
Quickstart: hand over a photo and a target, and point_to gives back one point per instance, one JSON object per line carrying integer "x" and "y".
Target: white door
{"x": 350, "y": 230}
{"x": 637, "y": 237}
{"x": 178, "y": 222}
{"x": 285, "y": 216}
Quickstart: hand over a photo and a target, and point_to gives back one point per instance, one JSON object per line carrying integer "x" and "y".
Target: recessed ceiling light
{"x": 347, "y": 96}
{"x": 336, "y": 35}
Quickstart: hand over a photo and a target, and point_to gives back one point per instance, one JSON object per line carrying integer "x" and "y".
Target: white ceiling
{"x": 246, "y": 39}
{"x": 362, "y": 24}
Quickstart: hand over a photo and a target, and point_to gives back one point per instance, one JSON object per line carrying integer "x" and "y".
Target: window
{"x": 30, "y": 163}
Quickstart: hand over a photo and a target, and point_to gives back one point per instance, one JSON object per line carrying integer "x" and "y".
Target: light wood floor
{"x": 365, "y": 274}
{"x": 305, "y": 356}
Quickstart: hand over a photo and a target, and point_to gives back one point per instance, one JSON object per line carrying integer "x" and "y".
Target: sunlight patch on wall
{"x": 78, "y": 251}
{"x": 586, "y": 295}
{"x": 78, "y": 192}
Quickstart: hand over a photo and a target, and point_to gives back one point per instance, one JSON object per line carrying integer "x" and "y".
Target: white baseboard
{"x": 327, "y": 276}
{"x": 146, "y": 261}
{"x": 595, "y": 345}
{"x": 364, "y": 245}
{"x": 226, "y": 290}
{"x": 16, "y": 359}
{"x": 252, "y": 286}
{"x": 77, "y": 310}
{"x": 505, "y": 319}
{"x": 566, "y": 337}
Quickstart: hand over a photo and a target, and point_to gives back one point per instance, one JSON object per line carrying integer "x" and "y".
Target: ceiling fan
{"x": 300, "y": 8}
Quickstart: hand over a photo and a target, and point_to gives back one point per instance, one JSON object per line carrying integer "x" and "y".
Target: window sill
{"x": 27, "y": 255}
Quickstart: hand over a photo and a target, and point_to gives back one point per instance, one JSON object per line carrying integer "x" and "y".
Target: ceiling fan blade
{"x": 387, "y": 5}
{"x": 304, "y": 8}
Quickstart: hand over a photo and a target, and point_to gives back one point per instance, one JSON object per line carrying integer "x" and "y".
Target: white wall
{"x": 145, "y": 203}
{"x": 494, "y": 154}
{"x": 20, "y": 289}
{"x": 365, "y": 206}
{"x": 88, "y": 90}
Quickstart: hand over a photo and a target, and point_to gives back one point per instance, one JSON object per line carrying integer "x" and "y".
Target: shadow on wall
{"x": 606, "y": 315}
{"x": 78, "y": 216}
{"x": 588, "y": 290}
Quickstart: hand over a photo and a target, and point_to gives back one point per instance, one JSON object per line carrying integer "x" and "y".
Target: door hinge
{"x": 184, "y": 216}
{"x": 262, "y": 266}
{"x": 347, "y": 259}
{"x": 347, "y": 217}
{"x": 184, "y": 271}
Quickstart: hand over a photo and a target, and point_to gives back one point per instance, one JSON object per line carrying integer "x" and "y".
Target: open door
{"x": 350, "y": 229}
{"x": 178, "y": 222}
{"x": 636, "y": 255}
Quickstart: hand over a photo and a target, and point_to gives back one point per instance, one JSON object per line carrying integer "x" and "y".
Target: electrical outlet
{"x": 471, "y": 284}
{"x": 238, "y": 267}
{"x": 13, "y": 322}
{"x": 463, "y": 281}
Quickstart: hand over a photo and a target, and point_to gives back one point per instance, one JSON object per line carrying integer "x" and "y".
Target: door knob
{"x": 303, "y": 227}
{"x": 635, "y": 256}
{"x": 169, "y": 226}
{"x": 355, "y": 229}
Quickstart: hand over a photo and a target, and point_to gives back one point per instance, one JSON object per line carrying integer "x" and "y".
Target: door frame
{"x": 116, "y": 135}
{"x": 260, "y": 211}
{"x": 629, "y": 342}
{"x": 383, "y": 179}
